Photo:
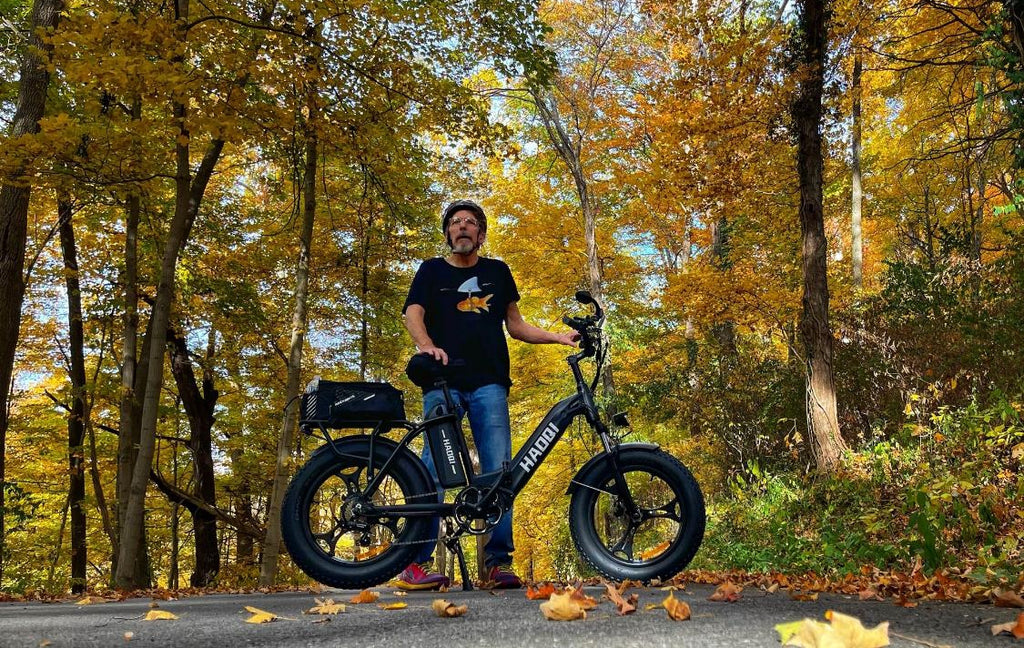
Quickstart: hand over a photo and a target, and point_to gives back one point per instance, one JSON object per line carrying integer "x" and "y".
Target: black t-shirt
{"x": 464, "y": 312}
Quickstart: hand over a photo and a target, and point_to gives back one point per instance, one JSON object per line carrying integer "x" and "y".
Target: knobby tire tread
{"x": 303, "y": 550}
{"x": 580, "y": 516}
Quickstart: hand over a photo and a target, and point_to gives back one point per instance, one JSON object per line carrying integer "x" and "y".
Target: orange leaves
{"x": 905, "y": 589}
{"x": 563, "y": 604}
{"x": 677, "y": 610}
{"x": 1016, "y": 628}
{"x": 542, "y": 591}
{"x": 726, "y": 593}
{"x": 562, "y": 607}
{"x": 625, "y": 606}
{"x": 365, "y": 596}
{"x": 447, "y": 609}
{"x": 581, "y": 599}
{"x": 326, "y": 606}
{"x": 1007, "y": 598}
{"x": 159, "y": 615}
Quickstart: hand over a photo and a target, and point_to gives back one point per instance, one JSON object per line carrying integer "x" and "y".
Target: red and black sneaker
{"x": 504, "y": 578}
{"x": 418, "y": 577}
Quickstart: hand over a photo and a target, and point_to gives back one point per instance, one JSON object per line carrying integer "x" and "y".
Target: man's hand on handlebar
{"x": 568, "y": 339}
{"x": 437, "y": 353}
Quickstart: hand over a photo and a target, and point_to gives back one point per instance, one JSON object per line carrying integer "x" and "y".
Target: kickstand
{"x": 454, "y": 546}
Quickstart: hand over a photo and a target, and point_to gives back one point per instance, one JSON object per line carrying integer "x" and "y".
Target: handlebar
{"x": 589, "y": 326}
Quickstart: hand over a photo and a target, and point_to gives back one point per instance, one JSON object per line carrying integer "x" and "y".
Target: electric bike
{"x": 358, "y": 511}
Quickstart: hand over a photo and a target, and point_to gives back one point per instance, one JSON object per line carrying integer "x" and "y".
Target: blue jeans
{"x": 487, "y": 407}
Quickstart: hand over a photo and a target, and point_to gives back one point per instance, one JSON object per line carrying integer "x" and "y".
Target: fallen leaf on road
{"x": 89, "y": 600}
{"x": 626, "y": 584}
{"x": 400, "y": 593}
{"x": 447, "y": 609}
{"x": 726, "y": 593}
{"x": 1007, "y": 598}
{"x": 542, "y": 591}
{"x": 561, "y": 607}
{"x": 1016, "y": 628}
{"x": 803, "y": 596}
{"x": 397, "y": 605}
{"x": 581, "y": 599}
{"x": 128, "y": 635}
{"x": 843, "y": 632}
{"x": 366, "y": 596}
{"x": 771, "y": 589}
{"x": 677, "y": 610}
{"x": 260, "y": 616}
{"x": 870, "y": 594}
{"x": 625, "y": 606}
{"x": 325, "y": 606}
{"x": 159, "y": 615}
{"x": 904, "y": 602}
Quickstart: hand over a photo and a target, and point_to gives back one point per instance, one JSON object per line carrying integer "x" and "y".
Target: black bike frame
{"x": 514, "y": 477}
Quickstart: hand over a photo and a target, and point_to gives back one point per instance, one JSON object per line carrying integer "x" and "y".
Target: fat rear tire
{"x": 309, "y": 507}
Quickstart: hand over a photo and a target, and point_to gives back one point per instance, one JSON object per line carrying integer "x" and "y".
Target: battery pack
{"x": 449, "y": 451}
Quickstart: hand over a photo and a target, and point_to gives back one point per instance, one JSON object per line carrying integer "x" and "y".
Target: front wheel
{"x": 657, "y": 538}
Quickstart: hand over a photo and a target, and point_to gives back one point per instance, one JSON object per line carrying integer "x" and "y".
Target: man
{"x": 454, "y": 312}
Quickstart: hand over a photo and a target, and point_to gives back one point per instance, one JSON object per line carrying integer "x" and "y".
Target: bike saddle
{"x": 424, "y": 371}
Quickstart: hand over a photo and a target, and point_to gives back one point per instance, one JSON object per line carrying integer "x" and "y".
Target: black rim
{"x": 650, "y": 536}
{"x": 337, "y": 532}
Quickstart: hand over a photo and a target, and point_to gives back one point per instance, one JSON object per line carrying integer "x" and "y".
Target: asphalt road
{"x": 494, "y": 619}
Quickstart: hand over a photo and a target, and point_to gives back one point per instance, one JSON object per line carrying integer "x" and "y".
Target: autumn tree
{"x": 14, "y": 204}
{"x": 811, "y": 51}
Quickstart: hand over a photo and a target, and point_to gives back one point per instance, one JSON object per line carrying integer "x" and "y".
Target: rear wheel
{"x": 659, "y": 537}
{"x": 328, "y": 537}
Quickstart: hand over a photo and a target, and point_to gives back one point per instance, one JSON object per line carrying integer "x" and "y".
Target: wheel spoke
{"x": 352, "y": 480}
{"x": 671, "y": 511}
{"x": 330, "y": 538}
{"x": 625, "y": 543}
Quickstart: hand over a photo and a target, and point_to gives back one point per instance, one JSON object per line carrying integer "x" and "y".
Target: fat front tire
{"x": 337, "y": 547}
{"x": 671, "y": 525}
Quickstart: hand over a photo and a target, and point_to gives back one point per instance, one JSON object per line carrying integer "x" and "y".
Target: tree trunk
{"x": 133, "y": 374}
{"x": 857, "y": 243}
{"x": 826, "y": 443}
{"x": 189, "y": 193}
{"x": 14, "y": 215}
{"x": 199, "y": 408}
{"x": 172, "y": 576}
{"x": 725, "y": 331}
{"x": 76, "y": 417}
{"x": 569, "y": 153}
{"x": 272, "y": 541}
{"x": 364, "y": 308}
{"x": 188, "y": 196}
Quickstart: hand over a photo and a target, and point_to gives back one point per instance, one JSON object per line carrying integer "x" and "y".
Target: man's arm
{"x": 520, "y": 330}
{"x": 418, "y": 330}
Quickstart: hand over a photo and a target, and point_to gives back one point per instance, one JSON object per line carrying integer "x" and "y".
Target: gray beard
{"x": 464, "y": 247}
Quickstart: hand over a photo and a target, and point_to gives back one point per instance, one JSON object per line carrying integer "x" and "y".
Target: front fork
{"x": 590, "y": 411}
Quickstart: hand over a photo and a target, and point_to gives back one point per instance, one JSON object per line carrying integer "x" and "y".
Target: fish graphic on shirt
{"x": 473, "y": 304}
